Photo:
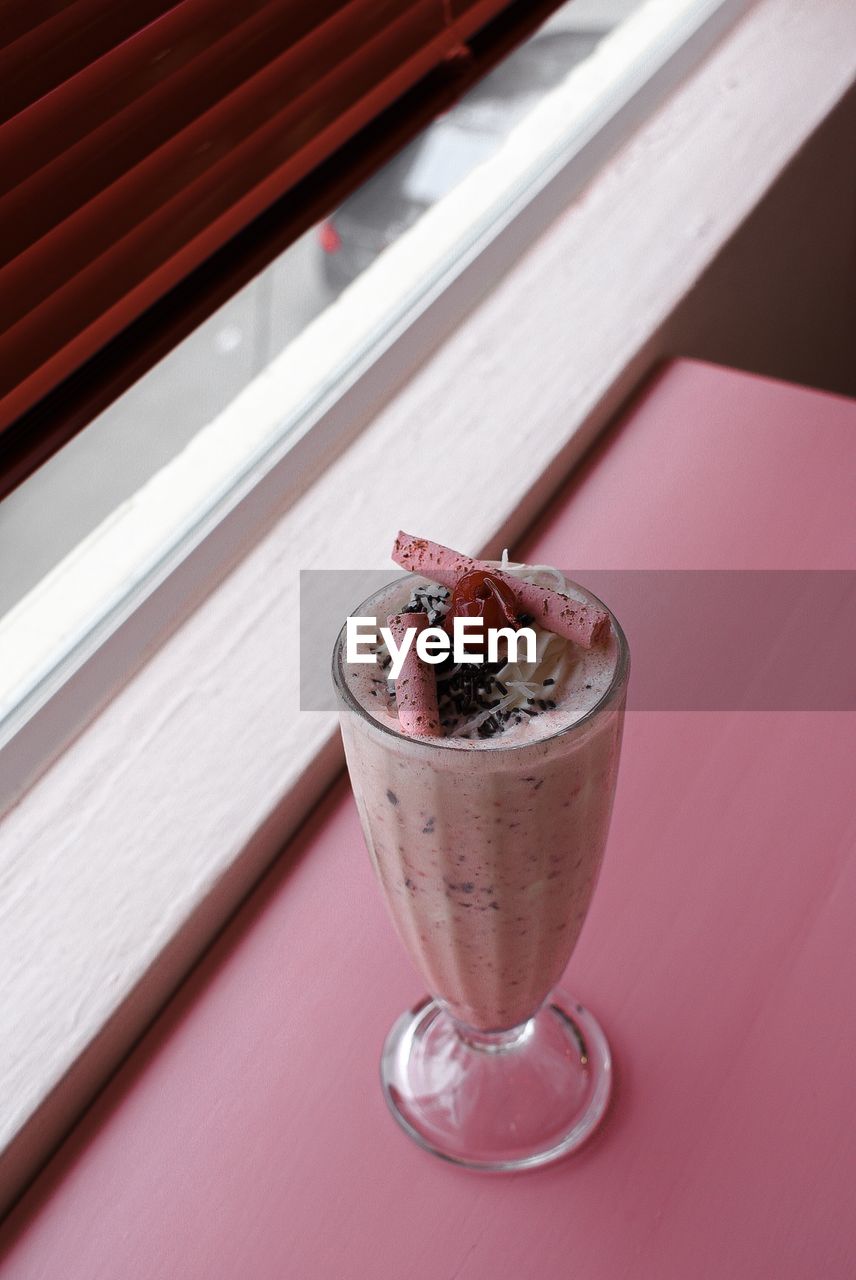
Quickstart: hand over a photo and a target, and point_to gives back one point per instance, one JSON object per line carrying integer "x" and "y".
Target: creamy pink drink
{"x": 488, "y": 839}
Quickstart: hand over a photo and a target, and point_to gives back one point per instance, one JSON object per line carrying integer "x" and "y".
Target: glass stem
{"x": 493, "y": 1041}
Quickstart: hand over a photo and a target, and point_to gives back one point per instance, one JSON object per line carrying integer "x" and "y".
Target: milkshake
{"x": 487, "y": 834}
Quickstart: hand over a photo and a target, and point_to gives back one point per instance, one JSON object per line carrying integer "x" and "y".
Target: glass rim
{"x": 608, "y": 697}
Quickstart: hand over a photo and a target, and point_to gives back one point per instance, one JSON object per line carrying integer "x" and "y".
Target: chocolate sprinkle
{"x": 433, "y": 601}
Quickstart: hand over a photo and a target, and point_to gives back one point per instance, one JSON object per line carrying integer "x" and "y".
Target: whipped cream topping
{"x": 482, "y": 702}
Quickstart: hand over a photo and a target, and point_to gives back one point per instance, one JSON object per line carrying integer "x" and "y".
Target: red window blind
{"x": 137, "y": 139}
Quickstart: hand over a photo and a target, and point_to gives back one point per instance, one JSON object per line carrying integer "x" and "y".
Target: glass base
{"x": 499, "y": 1101}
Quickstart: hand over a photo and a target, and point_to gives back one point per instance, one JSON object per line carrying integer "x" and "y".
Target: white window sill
{"x": 120, "y": 862}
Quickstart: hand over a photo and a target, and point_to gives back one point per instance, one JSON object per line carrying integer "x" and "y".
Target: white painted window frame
{"x": 121, "y": 860}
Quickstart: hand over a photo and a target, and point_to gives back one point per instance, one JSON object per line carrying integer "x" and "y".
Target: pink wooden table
{"x": 247, "y": 1136}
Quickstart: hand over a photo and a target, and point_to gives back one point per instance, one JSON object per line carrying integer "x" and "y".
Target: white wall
{"x": 781, "y": 297}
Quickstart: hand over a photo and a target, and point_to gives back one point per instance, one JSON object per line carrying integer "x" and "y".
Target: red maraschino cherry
{"x": 478, "y": 594}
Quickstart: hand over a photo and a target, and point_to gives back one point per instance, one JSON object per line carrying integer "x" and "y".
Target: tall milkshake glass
{"x": 487, "y": 853}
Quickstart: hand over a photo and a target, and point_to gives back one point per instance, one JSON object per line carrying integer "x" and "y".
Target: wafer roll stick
{"x": 560, "y": 614}
{"x": 416, "y": 686}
